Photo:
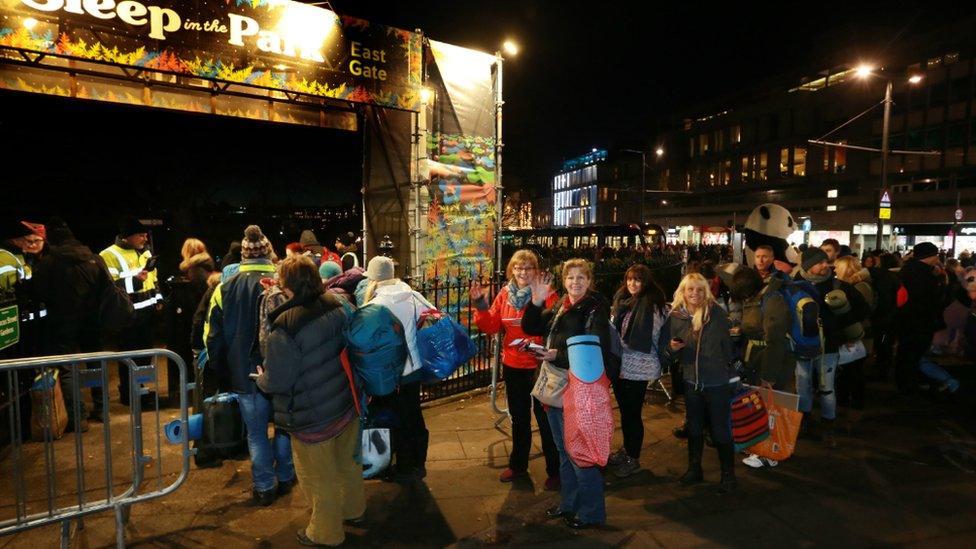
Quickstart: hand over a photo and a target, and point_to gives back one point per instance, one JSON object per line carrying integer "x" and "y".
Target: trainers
{"x": 509, "y": 474}
{"x": 553, "y": 484}
{"x": 757, "y": 462}
{"x": 618, "y": 457}
{"x": 628, "y": 467}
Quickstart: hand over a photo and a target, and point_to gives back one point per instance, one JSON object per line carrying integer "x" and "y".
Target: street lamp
{"x": 864, "y": 72}
{"x": 511, "y": 48}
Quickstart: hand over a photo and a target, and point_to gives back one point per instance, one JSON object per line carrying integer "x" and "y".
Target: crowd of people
{"x": 273, "y": 332}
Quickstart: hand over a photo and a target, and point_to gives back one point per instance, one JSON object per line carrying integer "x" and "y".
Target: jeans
{"x": 712, "y": 404}
{"x": 935, "y": 372}
{"x": 269, "y": 458}
{"x": 521, "y": 405}
{"x": 825, "y": 368}
{"x": 630, "y": 400}
{"x": 581, "y": 490}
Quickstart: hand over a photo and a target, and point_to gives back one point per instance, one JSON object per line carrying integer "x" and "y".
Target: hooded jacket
{"x": 705, "y": 358}
{"x": 302, "y": 370}
{"x": 231, "y": 331}
{"x": 406, "y": 305}
{"x": 69, "y": 279}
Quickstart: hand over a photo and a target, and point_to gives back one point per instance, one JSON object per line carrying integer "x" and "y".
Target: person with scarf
{"x": 816, "y": 269}
{"x": 519, "y": 366}
{"x": 639, "y": 311}
{"x": 582, "y": 311}
{"x": 697, "y": 336}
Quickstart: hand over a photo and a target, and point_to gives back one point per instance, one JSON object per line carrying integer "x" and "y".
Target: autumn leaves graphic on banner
{"x": 259, "y": 43}
{"x": 461, "y": 219}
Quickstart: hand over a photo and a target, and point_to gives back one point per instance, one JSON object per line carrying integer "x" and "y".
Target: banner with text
{"x": 272, "y": 44}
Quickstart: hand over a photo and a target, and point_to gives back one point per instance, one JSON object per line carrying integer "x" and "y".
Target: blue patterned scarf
{"x": 518, "y": 298}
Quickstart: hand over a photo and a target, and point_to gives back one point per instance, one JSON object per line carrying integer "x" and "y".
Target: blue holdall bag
{"x": 444, "y": 345}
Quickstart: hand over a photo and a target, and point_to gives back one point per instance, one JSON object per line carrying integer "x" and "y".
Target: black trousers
{"x": 712, "y": 404}
{"x": 139, "y": 335}
{"x": 630, "y": 399}
{"x": 912, "y": 346}
{"x": 521, "y": 405}
{"x": 850, "y": 385}
{"x": 411, "y": 439}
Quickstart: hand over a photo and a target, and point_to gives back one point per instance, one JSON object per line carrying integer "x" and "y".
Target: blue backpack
{"x": 806, "y": 331}
{"x": 377, "y": 349}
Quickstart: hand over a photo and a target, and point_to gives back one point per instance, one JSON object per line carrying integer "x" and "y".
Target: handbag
{"x": 784, "y": 426}
{"x": 50, "y": 415}
{"x": 550, "y": 385}
{"x": 857, "y": 351}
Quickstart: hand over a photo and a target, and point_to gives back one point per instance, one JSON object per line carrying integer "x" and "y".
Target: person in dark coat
{"x": 231, "y": 336}
{"x": 886, "y": 285}
{"x": 639, "y": 311}
{"x": 581, "y": 311}
{"x": 185, "y": 292}
{"x": 313, "y": 400}
{"x": 838, "y": 324}
{"x": 697, "y": 335}
{"x": 69, "y": 279}
{"x": 919, "y": 318}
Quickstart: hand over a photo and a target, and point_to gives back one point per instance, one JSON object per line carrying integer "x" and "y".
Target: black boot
{"x": 694, "y": 473}
{"x": 726, "y": 457}
{"x": 680, "y": 432}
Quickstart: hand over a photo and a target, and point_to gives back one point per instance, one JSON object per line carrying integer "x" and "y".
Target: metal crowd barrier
{"x": 64, "y": 506}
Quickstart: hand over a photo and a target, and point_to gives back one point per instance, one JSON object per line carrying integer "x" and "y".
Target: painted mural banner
{"x": 272, "y": 44}
{"x": 461, "y": 216}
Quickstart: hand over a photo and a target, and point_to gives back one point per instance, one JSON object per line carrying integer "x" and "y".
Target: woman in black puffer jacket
{"x": 313, "y": 400}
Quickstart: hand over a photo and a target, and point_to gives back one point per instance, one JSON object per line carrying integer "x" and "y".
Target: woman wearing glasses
{"x": 518, "y": 364}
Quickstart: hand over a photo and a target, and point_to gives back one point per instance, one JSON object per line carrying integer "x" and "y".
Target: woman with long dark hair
{"x": 638, "y": 313}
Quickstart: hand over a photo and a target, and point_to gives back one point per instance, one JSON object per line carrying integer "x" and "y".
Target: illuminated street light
{"x": 511, "y": 48}
{"x": 659, "y": 151}
{"x": 915, "y": 78}
{"x": 864, "y": 71}
{"x": 426, "y": 95}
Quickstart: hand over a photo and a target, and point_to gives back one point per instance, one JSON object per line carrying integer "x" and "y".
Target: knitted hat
{"x": 329, "y": 269}
{"x": 310, "y": 242}
{"x": 36, "y": 228}
{"x": 812, "y": 257}
{"x": 924, "y": 250}
{"x": 379, "y": 269}
{"x": 130, "y": 225}
{"x": 255, "y": 245}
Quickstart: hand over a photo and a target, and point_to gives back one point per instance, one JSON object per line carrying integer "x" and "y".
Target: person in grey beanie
{"x": 816, "y": 269}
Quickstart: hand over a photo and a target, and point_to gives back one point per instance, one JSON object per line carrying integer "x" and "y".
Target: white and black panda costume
{"x": 771, "y": 224}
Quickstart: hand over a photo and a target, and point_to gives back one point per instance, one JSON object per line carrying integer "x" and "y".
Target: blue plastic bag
{"x": 444, "y": 345}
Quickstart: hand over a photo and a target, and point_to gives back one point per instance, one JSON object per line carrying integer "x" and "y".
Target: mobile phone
{"x": 151, "y": 264}
{"x": 516, "y": 342}
{"x": 253, "y": 376}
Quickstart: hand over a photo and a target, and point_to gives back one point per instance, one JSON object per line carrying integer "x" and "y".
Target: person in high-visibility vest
{"x": 131, "y": 264}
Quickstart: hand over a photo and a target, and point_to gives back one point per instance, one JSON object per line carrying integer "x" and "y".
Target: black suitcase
{"x": 223, "y": 431}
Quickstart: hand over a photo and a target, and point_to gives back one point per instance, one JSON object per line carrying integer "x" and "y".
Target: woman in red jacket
{"x": 519, "y": 365}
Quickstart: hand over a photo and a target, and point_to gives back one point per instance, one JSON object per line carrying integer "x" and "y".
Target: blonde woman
{"x": 697, "y": 335}
{"x": 850, "y": 382}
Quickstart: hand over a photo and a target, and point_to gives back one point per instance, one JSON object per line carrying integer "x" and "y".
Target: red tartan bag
{"x": 587, "y": 421}
{"x": 750, "y": 419}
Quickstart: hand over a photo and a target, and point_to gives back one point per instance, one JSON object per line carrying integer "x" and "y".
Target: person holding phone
{"x": 696, "y": 334}
{"x": 582, "y": 311}
{"x": 519, "y": 363}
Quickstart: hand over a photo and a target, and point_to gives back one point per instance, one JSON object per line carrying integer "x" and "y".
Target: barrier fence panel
{"x": 58, "y": 473}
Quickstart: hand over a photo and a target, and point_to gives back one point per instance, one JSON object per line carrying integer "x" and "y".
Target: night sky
{"x": 592, "y": 74}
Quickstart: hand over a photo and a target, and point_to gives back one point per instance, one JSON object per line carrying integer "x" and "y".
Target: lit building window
{"x": 719, "y": 145}
{"x": 736, "y": 135}
{"x": 799, "y": 161}
{"x": 703, "y": 143}
{"x": 840, "y": 159}
{"x": 760, "y": 167}
{"x": 832, "y": 193}
{"x": 726, "y": 172}
{"x": 784, "y": 161}
{"x": 831, "y": 208}
{"x": 744, "y": 171}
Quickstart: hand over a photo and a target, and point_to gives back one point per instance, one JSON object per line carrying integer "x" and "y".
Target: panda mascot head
{"x": 771, "y": 224}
